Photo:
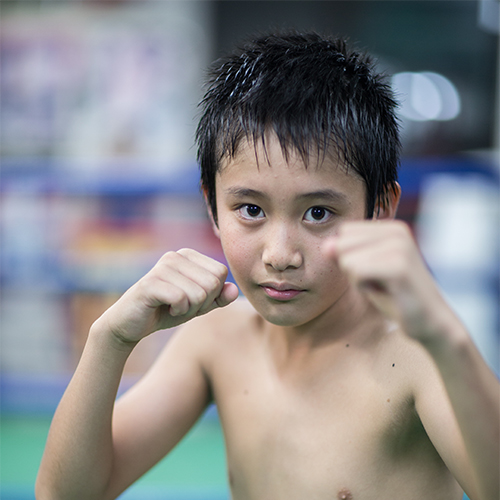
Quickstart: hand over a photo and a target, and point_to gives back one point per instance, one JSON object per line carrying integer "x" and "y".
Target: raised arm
{"x": 95, "y": 452}
{"x": 461, "y": 412}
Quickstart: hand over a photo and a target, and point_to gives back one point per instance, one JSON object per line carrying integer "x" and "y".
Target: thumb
{"x": 229, "y": 294}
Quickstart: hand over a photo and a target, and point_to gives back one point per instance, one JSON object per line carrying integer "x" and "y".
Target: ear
{"x": 210, "y": 214}
{"x": 388, "y": 209}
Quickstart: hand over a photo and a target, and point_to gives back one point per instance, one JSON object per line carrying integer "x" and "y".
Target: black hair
{"x": 315, "y": 94}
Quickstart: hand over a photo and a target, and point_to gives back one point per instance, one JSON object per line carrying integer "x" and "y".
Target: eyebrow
{"x": 325, "y": 194}
{"x": 321, "y": 194}
{"x": 243, "y": 192}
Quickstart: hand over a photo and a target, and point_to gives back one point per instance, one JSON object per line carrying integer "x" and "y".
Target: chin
{"x": 283, "y": 321}
{"x": 293, "y": 313}
{"x": 286, "y": 315}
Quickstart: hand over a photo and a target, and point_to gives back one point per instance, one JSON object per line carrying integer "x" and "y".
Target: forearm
{"x": 78, "y": 459}
{"x": 474, "y": 393}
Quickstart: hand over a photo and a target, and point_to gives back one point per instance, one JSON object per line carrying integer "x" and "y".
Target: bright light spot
{"x": 426, "y": 96}
{"x": 450, "y": 100}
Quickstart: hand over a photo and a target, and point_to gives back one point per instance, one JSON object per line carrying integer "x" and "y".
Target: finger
{"x": 372, "y": 268}
{"x": 211, "y": 265}
{"x": 211, "y": 284}
{"x": 178, "y": 302}
{"x": 373, "y": 286}
{"x": 349, "y": 236}
{"x": 187, "y": 269}
{"x": 199, "y": 294}
{"x": 168, "y": 285}
{"x": 356, "y": 235}
{"x": 359, "y": 233}
{"x": 372, "y": 280}
{"x": 207, "y": 272}
{"x": 229, "y": 294}
{"x": 159, "y": 293}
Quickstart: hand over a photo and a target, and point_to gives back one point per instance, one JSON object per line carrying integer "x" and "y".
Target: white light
{"x": 426, "y": 96}
{"x": 450, "y": 100}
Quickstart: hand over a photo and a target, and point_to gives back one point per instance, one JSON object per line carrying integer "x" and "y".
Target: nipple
{"x": 344, "y": 494}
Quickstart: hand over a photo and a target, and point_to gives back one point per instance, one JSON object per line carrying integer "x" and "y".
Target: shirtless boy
{"x": 343, "y": 374}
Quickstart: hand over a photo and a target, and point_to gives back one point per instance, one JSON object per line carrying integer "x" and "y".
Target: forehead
{"x": 266, "y": 159}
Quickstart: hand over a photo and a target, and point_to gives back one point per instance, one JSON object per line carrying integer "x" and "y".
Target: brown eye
{"x": 251, "y": 211}
{"x": 317, "y": 214}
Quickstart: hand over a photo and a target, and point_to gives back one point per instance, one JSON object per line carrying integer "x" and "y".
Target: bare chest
{"x": 322, "y": 433}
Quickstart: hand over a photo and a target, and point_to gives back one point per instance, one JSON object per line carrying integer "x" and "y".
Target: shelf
{"x": 130, "y": 178}
{"x": 127, "y": 179}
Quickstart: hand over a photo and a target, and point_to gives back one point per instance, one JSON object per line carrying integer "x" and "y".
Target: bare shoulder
{"x": 224, "y": 321}
{"x": 222, "y": 328}
{"x": 232, "y": 320}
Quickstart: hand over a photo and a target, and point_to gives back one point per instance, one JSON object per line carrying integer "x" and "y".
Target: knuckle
{"x": 199, "y": 296}
{"x": 401, "y": 229}
{"x": 177, "y": 296}
{"x": 221, "y": 271}
{"x": 213, "y": 282}
{"x": 146, "y": 283}
{"x": 168, "y": 258}
{"x": 185, "y": 252}
{"x": 180, "y": 303}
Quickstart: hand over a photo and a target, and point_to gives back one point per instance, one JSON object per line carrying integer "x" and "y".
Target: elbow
{"x": 46, "y": 488}
{"x": 43, "y": 491}
{"x": 46, "y": 484}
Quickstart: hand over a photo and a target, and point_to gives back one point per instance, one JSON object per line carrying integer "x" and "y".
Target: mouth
{"x": 281, "y": 291}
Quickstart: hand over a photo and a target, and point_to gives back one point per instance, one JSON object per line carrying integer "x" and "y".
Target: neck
{"x": 352, "y": 320}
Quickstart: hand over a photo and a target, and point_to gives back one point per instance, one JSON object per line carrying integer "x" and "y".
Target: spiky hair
{"x": 315, "y": 94}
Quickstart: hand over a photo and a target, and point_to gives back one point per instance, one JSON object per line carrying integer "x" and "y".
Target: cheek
{"x": 239, "y": 254}
{"x": 327, "y": 270}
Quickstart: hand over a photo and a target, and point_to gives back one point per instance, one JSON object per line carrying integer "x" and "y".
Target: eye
{"x": 249, "y": 211}
{"x": 317, "y": 214}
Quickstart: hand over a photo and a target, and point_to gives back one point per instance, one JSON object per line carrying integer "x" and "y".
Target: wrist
{"x": 448, "y": 335}
{"x": 107, "y": 337}
{"x": 435, "y": 324}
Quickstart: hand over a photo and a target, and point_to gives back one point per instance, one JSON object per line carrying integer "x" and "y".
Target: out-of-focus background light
{"x": 426, "y": 96}
{"x": 98, "y": 178}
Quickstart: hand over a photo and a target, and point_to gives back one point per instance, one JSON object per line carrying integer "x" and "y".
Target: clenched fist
{"x": 182, "y": 285}
{"x": 382, "y": 259}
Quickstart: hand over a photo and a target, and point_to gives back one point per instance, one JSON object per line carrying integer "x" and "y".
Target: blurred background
{"x": 99, "y": 179}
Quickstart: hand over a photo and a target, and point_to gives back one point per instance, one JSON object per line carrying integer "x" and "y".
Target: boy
{"x": 344, "y": 374}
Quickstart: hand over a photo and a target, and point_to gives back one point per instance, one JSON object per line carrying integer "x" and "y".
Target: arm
{"x": 383, "y": 261}
{"x": 474, "y": 401}
{"x": 94, "y": 451}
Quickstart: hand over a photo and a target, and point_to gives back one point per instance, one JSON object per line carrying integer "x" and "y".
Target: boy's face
{"x": 274, "y": 217}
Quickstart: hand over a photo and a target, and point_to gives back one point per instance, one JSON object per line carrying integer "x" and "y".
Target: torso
{"x": 337, "y": 424}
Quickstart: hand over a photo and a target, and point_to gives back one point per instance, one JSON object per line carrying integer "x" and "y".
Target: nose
{"x": 281, "y": 249}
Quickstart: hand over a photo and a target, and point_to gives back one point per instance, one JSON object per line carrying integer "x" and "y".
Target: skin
{"x": 343, "y": 375}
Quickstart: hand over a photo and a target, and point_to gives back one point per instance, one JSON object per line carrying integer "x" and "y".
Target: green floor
{"x": 194, "y": 470}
